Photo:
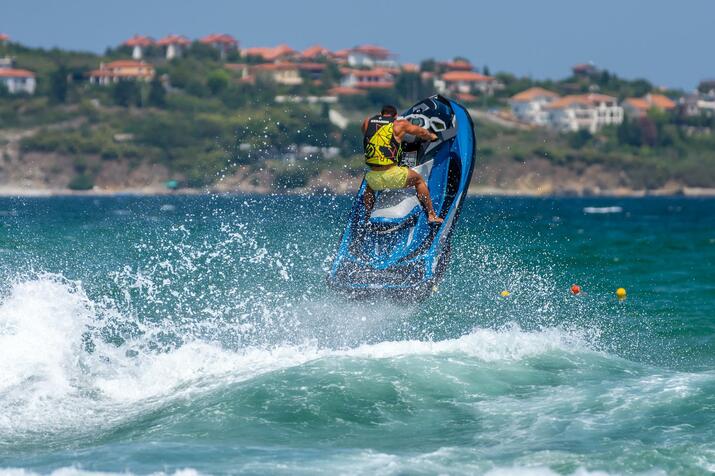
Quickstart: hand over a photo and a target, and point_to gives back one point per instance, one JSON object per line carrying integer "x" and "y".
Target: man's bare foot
{"x": 435, "y": 219}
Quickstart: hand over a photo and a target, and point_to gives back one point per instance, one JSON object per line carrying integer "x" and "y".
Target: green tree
{"x": 428, "y": 65}
{"x": 58, "y": 85}
{"x": 579, "y": 139}
{"x": 126, "y": 93}
{"x": 157, "y": 93}
{"x": 330, "y": 75}
{"x": 218, "y": 81}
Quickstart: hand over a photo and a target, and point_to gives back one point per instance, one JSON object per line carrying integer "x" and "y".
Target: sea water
{"x": 185, "y": 335}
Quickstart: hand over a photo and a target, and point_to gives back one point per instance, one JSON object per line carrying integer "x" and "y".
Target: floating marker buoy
{"x": 504, "y": 293}
{"x": 575, "y": 289}
{"x": 621, "y": 293}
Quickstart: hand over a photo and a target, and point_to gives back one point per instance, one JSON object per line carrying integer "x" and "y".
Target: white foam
{"x": 52, "y": 383}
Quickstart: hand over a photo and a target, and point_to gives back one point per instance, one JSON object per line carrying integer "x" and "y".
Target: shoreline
{"x": 17, "y": 192}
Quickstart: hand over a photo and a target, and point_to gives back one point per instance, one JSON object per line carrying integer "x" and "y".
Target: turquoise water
{"x": 196, "y": 334}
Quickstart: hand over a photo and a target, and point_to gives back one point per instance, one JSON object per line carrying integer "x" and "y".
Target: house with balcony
{"x": 589, "y": 112}
{"x": 377, "y": 78}
{"x": 529, "y": 106}
{"x": 466, "y": 82}
{"x": 18, "y": 80}
{"x": 697, "y": 104}
{"x": 4, "y": 38}
{"x": 121, "y": 70}
{"x": 174, "y": 45}
{"x": 370, "y": 56}
{"x": 639, "y": 107}
{"x": 223, "y": 42}
{"x": 138, "y": 44}
{"x": 287, "y": 74}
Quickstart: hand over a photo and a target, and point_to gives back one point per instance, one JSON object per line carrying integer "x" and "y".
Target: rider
{"x": 383, "y": 135}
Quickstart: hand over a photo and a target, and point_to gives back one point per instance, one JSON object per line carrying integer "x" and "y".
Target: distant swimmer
{"x": 382, "y": 141}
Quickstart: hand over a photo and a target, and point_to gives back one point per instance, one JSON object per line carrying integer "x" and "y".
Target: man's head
{"x": 388, "y": 110}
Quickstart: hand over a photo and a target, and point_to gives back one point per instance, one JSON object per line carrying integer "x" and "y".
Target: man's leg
{"x": 368, "y": 200}
{"x": 415, "y": 180}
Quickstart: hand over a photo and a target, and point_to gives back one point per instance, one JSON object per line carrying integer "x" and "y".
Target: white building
{"x": 367, "y": 78}
{"x": 466, "y": 82}
{"x": 174, "y": 44}
{"x": 18, "y": 80}
{"x": 138, "y": 44}
{"x": 586, "y": 111}
{"x": 370, "y": 56}
{"x": 529, "y": 106}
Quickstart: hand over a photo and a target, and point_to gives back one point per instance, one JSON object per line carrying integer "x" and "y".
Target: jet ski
{"x": 397, "y": 251}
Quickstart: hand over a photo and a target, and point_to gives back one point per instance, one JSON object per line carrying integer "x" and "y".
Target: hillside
{"x": 199, "y": 125}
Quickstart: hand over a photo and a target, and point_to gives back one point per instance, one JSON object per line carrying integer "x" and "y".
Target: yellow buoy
{"x": 621, "y": 293}
{"x": 504, "y": 293}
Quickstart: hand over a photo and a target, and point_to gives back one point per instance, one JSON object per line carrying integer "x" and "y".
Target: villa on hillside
{"x": 584, "y": 112}
{"x": 223, "y": 42}
{"x": 138, "y": 43}
{"x": 174, "y": 44}
{"x": 121, "y": 70}
{"x": 4, "y": 38}
{"x": 528, "y": 106}
{"x": 367, "y": 78}
{"x": 16, "y": 80}
{"x": 270, "y": 54}
{"x": 466, "y": 82}
{"x": 639, "y": 107}
{"x": 370, "y": 56}
{"x": 287, "y": 74}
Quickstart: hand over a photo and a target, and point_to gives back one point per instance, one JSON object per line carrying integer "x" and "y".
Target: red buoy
{"x": 575, "y": 289}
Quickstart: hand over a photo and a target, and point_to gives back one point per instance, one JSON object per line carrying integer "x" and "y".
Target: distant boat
{"x": 603, "y": 210}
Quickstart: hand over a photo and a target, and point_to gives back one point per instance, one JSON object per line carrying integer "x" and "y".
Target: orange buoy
{"x": 575, "y": 289}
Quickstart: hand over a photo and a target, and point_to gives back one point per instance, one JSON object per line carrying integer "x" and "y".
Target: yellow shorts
{"x": 392, "y": 178}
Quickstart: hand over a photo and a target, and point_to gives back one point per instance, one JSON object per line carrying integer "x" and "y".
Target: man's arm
{"x": 403, "y": 127}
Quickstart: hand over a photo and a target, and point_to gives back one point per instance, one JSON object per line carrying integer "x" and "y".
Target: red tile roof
{"x": 660, "y": 101}
{"x": 410, "y": 68}
{"x": 274, "y": 67}
{"x": 373, "y": 50}
{"x": 315, "y": 51}
{"x": 657, "y": 101}
{"x": 532, "y": 93}
{"x": 469, "y": 76}
{"x": 367, "y": 73}
{"x": 15, "y": 73}
{"x": 637, "y": 103}
{"x": 466, "y": 97}
{"x": 582, "y": 99}
{"x": 345, "y": 91}
{"x": 268, "y": 53}
{"x": 342, "y": 53}
{"x": 459, "y": 65}
{"x": 139, "y": 40}
{"x": 4, "y": 37}
{"x": 174, "y": 40}
{"x": 124, "y": 69}
{"x": 219, "y": 38}
{"x": 126, "y": 64}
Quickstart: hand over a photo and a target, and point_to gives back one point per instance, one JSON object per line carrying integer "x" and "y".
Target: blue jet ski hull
{"x": 397, "y": 251}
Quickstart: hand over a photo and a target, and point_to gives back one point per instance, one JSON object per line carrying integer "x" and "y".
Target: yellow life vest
{"x": 381, "y": 147}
